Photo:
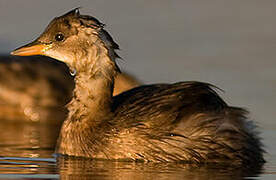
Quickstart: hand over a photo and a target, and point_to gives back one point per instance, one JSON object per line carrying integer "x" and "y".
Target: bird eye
{"x": 59, "y": 37}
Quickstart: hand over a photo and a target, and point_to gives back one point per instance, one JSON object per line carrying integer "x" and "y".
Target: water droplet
{"x": 73, "y": 72}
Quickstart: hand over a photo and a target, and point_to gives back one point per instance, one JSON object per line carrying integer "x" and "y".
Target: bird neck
{"x": 94, "y": 81}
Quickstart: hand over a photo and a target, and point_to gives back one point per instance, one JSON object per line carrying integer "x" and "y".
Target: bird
{"x": 37, "y": 88}
{"x": 180, "y": 122}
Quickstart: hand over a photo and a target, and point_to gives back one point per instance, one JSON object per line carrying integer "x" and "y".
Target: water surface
{"x": 28, "y": 149}
{"x": 227, "y": 43}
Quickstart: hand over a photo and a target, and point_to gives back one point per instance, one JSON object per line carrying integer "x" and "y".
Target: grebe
{"x": 37, "y": 88}
{"x": 185, "y": 121}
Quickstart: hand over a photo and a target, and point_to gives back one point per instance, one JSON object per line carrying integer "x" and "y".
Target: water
{"x": 228, "y": 43}
{"x": 27, "y": 152}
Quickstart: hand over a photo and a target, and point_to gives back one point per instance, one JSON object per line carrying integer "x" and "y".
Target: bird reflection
{"x": 80, "y": 168}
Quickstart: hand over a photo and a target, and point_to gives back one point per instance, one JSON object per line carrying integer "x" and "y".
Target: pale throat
{"x": 94, "y": 81}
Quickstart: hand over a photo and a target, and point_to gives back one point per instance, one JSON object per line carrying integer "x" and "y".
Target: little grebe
{"x": 185, "y": 121}
{"x": 37, "y": 88}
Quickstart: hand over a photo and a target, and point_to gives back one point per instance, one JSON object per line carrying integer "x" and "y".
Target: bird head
{"x": 70, "y": 37}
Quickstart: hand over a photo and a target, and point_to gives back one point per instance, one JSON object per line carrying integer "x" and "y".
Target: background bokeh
{"x": 231, "y": 44}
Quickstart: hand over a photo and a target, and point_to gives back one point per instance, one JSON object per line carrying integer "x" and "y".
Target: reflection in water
{"x": 16, "y": 165}
{"x": 27, "y": 139}
{"x": 78, "y": 168}
{"x": 27, "y": 152}
{"x": 22, "y": 146}
{"x": 212, "y": 42}
{"x": 83, "y": 168}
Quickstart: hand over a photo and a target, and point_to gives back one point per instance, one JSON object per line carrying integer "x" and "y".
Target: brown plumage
{"x": 37, "y": 88}
{"x": 185, "y": 121}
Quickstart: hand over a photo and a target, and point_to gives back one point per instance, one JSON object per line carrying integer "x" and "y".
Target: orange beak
{"x": 31, "y": 49}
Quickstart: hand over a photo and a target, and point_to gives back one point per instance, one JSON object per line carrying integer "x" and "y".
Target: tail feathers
{"x": 239, "y": 135}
